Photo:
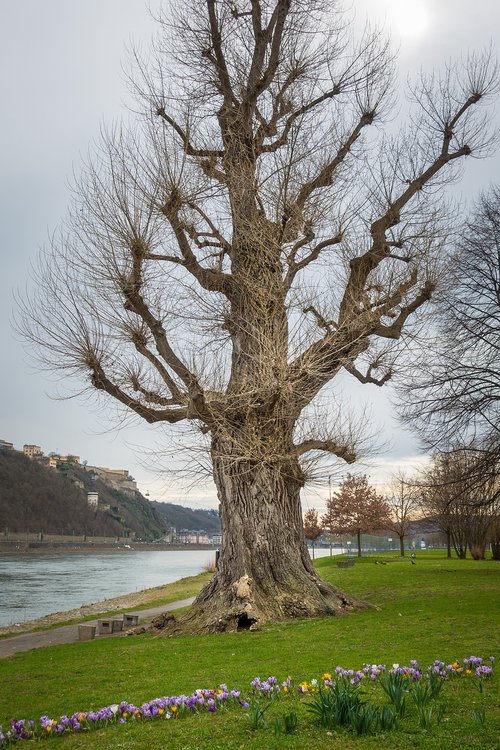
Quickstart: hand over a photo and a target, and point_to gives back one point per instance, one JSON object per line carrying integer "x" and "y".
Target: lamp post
{"x": 330, "y": 500}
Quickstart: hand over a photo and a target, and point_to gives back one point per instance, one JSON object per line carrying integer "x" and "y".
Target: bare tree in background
{"x": 252, "y": 237}
{"x": 356, "y": 508}
{"x": 453, "y": 398}
{"x": 312, "y": 526}
{"x": 404, "y": 502}
{"x": 464, "y": 507}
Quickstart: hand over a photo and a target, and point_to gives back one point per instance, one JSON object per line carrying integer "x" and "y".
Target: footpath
{"x": 69, "y": 633}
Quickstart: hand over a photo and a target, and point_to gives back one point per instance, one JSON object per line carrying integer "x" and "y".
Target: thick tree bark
{"x": 402, "y": 546}
{"x": 264, "y": 572}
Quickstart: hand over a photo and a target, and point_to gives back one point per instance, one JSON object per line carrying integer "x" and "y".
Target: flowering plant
{"x": 213, "y": 700}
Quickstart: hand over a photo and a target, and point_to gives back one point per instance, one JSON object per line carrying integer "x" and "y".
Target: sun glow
{"x": 409, "y": 18}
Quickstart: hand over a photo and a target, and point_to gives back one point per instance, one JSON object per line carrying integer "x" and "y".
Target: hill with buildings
{"x": 59, "y": 495}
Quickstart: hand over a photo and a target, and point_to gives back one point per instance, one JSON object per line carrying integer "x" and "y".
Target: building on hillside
{"x": 55, "y": 460}
{"x": 32, "y": 451}
{"x": 93, "y": 499}
{"x": 118, "y": 479}
{"x": 4, "y": 445}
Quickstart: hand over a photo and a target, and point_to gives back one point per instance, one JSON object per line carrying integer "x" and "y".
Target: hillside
{"x": 36, "y": 498}
{"x": 186, "y": 518}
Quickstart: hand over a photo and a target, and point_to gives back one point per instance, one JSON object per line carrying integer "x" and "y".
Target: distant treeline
{"x": 179, "y": 517}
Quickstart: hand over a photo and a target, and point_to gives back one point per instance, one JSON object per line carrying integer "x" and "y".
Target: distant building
{"x": 55, "y": 460}
{"x": 93, "y": 499}
{"x": 32, "y": 451}
{"x": 6, "y": 446}
{"x": 171, "y": 536}
{"x": 186, "y": 536}
{"x": 119, "y": 479}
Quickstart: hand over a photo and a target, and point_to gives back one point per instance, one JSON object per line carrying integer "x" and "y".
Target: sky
{"x": 61, "y": 78}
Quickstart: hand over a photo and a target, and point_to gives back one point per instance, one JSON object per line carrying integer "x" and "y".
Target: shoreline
{"x": 72, "y": 616}
{"x": 35, "y": 548}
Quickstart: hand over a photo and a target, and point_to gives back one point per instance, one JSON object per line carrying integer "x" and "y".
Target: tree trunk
{"x": 359, "y": 543}
{"x": 264, "y": 572}
{"x": 477, "y": 551}
{"x": 448, "y": 543}
{"x": 402, "y": 546}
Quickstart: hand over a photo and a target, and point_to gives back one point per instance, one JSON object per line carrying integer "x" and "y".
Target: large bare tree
{"x": 253, "y": 235}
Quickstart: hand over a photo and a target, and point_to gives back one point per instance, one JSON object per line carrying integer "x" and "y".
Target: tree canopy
{"x": 356, "y": 508}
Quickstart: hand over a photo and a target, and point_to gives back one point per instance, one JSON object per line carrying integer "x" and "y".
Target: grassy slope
{"x": 435, "y": 609}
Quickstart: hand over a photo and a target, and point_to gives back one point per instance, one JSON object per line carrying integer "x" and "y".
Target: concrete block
{"x": 86, "y": 632}
{"x": 104, "y": 627}
{"x": 117, "y": 625}
{"x": 130, "y": 620}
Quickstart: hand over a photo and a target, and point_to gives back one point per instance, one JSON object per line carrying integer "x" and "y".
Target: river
{"x": 32, "y": 586}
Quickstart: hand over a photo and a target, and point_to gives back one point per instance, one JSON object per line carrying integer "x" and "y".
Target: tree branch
{"x": 327, "y": 325}
{"x": 219, "y": 60}
{"x": 135, "y": 303}
{"x": 328, "y": 446}
{"x": 368, "y": 378}
{"x": 325, "y": 176}
{"x": 267, "y": 148}
{"x": 210, "y": 279}
{"x": 274, "y": 31}
{"x": 189, "y": 149}
{"x": 102, "y": 383}
{"x": 394, "y": 330}
{"x": 295, "y": 267}
{"x": 140, "y": 344}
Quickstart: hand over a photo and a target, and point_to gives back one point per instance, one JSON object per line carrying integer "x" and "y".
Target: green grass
{"x": 438, "y": 608}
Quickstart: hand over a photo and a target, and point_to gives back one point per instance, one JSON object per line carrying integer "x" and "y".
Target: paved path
{"x": 69, "y": 633}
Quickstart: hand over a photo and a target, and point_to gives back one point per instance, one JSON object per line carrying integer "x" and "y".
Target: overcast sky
{"x": 61, "y": 77}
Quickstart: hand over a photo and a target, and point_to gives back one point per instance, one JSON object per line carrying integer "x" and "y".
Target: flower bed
{"x": 214, "y": 700}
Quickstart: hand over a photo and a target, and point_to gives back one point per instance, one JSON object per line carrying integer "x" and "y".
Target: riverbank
{"x": 181, "y": 589}
{"x": 20, "y": 548}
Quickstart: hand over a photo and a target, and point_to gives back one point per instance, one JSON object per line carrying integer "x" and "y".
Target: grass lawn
{"x": 436, "y": 609}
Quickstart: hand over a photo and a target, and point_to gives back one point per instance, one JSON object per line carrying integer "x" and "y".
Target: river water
{"x": 32, "y": 586}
